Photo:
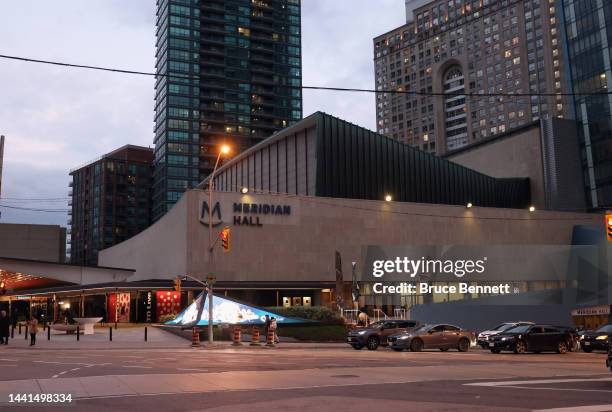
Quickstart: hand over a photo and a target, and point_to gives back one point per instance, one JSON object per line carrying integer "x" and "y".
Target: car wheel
{"x": 587, "y": 350}
{"x": 562, "y": 347}
{"x": 443, "y": 349}
{"x": 397, "y": 349}
{"x": 373, "y": 343}
{"x": 463, "y": 345}
{"x": 416, "y": 345}
{"x": 520, "y": 347}
{"x": 357, "y": 347}
{"x": 495, "y": 351}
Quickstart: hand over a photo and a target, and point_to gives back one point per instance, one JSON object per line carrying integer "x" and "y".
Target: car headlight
{"x": 581, "y": 337}
{"x": 404, "y": 337}
{"x": 362, "y": 332}
{"x": 602, "y": 337}
{"x": 504, "y": 338}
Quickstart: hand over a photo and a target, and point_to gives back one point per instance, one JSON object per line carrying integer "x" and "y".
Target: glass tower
{"x": 588, "y": 39}
{"x": 229, "y": 72}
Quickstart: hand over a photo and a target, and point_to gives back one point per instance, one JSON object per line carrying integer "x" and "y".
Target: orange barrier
{"x": 270, "y": 341}
{"x": 195, "y": 338}
{"x": 255, "y": 337}
{"x": 236, "y": 339}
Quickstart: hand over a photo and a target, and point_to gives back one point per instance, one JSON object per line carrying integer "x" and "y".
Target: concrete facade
{"x": 300, "y": 246}
{"x": 36, "y": 242}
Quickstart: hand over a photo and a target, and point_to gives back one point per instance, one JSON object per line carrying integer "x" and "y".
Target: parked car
{"x": 591, "y": 340}
{"x": 530, "y": 338}
{"x": 440, "y": 336}
{"x": 376, "y": 334}
{"x": 483, "y": 337}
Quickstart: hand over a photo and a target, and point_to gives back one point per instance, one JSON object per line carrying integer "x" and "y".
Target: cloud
{"x": 56, "y": 118}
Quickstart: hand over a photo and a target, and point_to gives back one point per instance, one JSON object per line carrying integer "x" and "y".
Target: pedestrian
{"x": 266, "y": 325}
{"x": 274, "y": 328}
{"x": 5, "y": 326}
{"x": 33, "y": 326}
{"x": 363, "y": 319}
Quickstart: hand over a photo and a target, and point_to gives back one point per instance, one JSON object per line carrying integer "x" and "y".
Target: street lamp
{"x": 223, "y": 150}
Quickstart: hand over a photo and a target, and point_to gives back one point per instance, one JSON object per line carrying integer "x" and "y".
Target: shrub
{"x": 317, "y": 313}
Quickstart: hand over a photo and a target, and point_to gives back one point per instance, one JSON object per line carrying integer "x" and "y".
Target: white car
{"x": 483, "y": 337}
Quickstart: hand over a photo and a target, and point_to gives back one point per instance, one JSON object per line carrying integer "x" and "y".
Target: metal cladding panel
{"x": 356, "y": 163}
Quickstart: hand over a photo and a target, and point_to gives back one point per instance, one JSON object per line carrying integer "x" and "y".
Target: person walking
{"x": 5, "y": 326}
{"x": 266, "y": 325}
{"x": 273, "y": 328}
{"x": 33, "y": 326}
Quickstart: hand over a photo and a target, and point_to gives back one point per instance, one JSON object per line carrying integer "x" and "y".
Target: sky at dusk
{"x": 56, "y": 119}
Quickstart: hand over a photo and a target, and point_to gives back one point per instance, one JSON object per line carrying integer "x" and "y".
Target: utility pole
{"x": 225, "y": 149}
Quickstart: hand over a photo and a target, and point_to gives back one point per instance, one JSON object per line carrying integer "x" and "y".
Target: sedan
{"x": 441, "y": 336}
{"x": 530, "y": 338}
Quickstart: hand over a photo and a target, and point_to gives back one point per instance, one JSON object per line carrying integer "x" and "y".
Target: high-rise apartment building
{"x": 588, "y": 33}
{"x": 230, "y": 72}
{"x": 450, "y": 52}
{"x": 111, "y": 201}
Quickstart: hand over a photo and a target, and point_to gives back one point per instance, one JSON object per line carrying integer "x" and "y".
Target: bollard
{"x": 255, "y": 337}
{"x": 20, "y": 328}
{"x": 110, "y": 333}
{"x": 270, "y": 343}
{"x": 236, "y": 339}
{"x": 195, "y": 338}
{"x": 49, "y": 333}
{"x": 145, "y": 333}
{"x": 13, "y": 332}
{"x": 26, "y": 332}
{"x": 78, "y": 333}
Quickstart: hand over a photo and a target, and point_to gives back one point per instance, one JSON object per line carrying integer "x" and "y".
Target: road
{"x": 305, "y": 377}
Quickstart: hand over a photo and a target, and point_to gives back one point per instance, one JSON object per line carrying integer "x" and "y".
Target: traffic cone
{"x": 195, "y": 338}
{"x": 236, "y": 339}
{"x": 255, "y": 337}
{"x": 270, "y": 341}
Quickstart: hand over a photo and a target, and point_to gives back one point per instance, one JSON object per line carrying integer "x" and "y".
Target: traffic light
{"x": 225, "y": 239}
{"x": 609, "y": 226}
{"x": 177, "y": 284}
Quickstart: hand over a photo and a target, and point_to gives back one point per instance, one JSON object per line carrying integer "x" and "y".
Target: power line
{"x": 325, "y": 88}
{"x": 34, "y": 209}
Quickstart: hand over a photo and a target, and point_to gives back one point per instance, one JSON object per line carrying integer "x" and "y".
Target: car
{"x": 530, "y": 338}
{"x": 591, "y": 340}
{"x": 483, "y": 337}
{"x": 609, "y": 358}
{"x": 376, "y": 333}
{"x": 437, "y": 336}
{"x": 573, "y": 337}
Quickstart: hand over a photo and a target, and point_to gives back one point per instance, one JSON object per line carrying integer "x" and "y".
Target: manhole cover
{"x": 345, "y": 376}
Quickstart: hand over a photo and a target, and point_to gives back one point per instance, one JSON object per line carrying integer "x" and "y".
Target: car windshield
{"x": 519, "y": 329}
{"x": 605, "y": 329}
{"x": 503, "y": 326}
{"x": 377, "y": 324}
{"x": 424, "y": 328}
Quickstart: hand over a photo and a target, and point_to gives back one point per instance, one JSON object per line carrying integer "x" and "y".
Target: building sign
{"x": 592, "y": 311}
{"x": 242, "y": 214}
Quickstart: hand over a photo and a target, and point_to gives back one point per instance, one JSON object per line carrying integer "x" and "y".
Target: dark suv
{"x": 591, "y": 340}
{"x": 531, "y": 338}
{"x": 376, "y": 334}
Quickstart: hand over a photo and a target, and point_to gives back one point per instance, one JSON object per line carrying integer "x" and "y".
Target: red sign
{"x": 168, "y": 303}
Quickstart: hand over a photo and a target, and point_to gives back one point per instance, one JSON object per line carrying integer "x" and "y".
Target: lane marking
{"x": 139, "y": 367}
{"x": 536, "y": 382}
{"x": 587, "y": 408}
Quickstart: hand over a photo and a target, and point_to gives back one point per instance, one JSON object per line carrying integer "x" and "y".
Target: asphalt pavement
{"x": 166, "y": 374}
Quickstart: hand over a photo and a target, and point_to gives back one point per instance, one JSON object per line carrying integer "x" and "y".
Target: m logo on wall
{"x": 205, "y": 214}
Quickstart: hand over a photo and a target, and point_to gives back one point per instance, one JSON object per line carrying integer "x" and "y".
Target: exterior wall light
{"x": 532, "y": 209}
{"x": 469, "y": 205}
{"x": 244, "y": 190}
{"x": 388, "y": 198}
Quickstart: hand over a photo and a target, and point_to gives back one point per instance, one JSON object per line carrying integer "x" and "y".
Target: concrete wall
{"x": 36, "y": 242}
{"x": 301, "y": 246}
{"x": 517, "y": 155}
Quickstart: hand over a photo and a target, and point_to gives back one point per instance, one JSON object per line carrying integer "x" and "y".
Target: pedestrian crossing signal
{"x": 225, "y": 239}
{"x": 609, "y": 226}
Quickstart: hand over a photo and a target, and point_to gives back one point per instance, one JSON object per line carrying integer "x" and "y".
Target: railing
{"x": 349, "y": 315}
{"x": 378, "y": 315}
{"x": 399, "y": 313}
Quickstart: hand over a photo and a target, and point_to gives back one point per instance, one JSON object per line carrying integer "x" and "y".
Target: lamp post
{"x": 225, "y": 149}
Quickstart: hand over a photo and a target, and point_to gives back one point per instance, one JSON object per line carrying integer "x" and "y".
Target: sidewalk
{"x": 133, "y": 338}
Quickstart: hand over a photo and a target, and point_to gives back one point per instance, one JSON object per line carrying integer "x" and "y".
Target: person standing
{"x": 33, "y": 324}
{"x": 5, "y": 325}
{"x": 273, "y": 328}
